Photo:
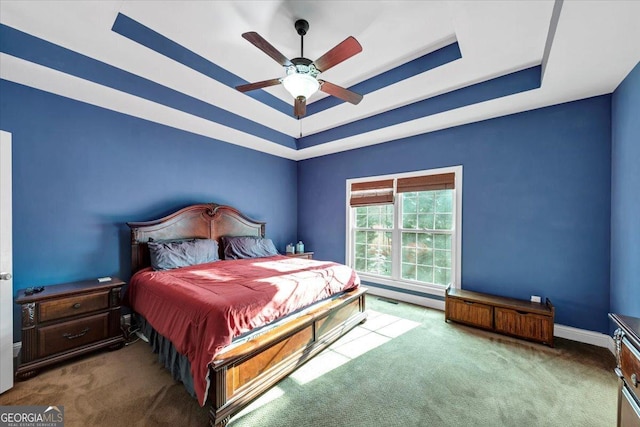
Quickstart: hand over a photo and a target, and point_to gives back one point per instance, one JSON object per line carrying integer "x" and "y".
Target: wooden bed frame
{"x": 242, "y": 373}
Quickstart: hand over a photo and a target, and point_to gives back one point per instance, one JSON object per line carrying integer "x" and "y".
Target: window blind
{"x": 445, "y": 181}
{"x": 371, "y": 193}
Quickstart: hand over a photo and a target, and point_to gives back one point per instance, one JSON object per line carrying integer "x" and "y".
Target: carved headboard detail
{"x": 203, "y": 221}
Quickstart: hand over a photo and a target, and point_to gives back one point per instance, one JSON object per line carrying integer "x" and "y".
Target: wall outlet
{"x": 535, "y": 298}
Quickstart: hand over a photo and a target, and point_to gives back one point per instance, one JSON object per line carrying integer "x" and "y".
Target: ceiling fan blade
{"x": 344, "y": 50}
{"x": 300, "y": 107}
{"x": 340, "y": 92}
{"x": 258, "y": 85}
{"x": 259, "y": 42}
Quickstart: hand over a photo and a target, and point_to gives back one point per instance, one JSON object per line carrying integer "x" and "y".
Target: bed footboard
{"x": 243, "y": 373}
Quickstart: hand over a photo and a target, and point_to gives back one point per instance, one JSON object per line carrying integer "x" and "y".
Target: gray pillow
{"x": 173, "y": 254}
{"x": 239, "y": 247}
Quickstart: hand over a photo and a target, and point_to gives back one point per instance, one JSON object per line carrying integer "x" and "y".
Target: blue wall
{"x": 81, "y": 172}
{"x": 536, "y": 202}
{"x": 625, "y": 197}
{"x": 537, "y": 194}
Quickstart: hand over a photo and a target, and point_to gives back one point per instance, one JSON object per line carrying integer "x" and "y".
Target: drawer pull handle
{"x": 634, "y": 380}
{"x": 468, "y": 302}
{"x": 76, "y": 306}
{"x": 522, "y": 312}
{"x": 78, "y": 335}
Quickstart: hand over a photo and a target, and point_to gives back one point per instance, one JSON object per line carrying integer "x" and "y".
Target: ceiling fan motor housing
{"x": 302, "y": 66}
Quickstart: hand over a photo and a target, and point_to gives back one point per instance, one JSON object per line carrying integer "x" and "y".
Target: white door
{"x": 6, "y": 266}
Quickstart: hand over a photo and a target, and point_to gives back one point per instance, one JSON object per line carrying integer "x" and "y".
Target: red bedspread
{"x": 202, "y": 308}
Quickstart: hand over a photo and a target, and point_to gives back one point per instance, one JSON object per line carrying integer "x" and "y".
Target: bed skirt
{"x": 176, "y": 363}
{"x": 252, "y": 364}
{"x": 179, "y": 365}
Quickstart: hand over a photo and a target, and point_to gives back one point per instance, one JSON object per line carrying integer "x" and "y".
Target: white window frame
{"x": 395, "y": 280}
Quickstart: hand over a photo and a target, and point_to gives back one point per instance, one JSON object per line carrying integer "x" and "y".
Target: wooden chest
{"x": 508, "y": 316}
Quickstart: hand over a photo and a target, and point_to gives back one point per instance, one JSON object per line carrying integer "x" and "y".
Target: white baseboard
{"x": 584, "y": 336}
{"x": 562, "y": 331}
{"x": 410, "y": 298}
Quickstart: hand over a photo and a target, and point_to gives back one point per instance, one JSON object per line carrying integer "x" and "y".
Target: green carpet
{"x": 404, "y": 367}
{"x": 441, "y": 374}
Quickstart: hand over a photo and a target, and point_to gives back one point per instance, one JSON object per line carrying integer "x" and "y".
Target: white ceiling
{"x": 595, "y": 45}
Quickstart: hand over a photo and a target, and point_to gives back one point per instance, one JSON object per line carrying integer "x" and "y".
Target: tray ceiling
{"x": 425, "y": 65}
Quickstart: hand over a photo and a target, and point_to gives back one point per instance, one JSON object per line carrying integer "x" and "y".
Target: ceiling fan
{"x": 301, "y": 79}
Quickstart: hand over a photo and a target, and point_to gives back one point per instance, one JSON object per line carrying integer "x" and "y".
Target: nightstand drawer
{"x": 68, "y": 335}
{"x": 73, "y": 306}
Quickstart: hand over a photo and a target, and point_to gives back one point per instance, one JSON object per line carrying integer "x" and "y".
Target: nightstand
{"x": 307, "y": 255}
{"x": 67, "y": 320}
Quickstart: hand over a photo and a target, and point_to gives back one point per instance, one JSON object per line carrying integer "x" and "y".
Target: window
{"x": 373, "y": 237}
{"x": 404, "y": 230}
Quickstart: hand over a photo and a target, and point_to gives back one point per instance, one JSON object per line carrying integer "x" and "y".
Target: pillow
{"x": 239, "y": 247}
{"x": 182, "y": 253}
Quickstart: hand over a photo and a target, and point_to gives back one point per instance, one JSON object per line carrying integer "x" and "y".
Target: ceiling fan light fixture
{"x": 301, "y": 79}
{"x": 300, "y": 85}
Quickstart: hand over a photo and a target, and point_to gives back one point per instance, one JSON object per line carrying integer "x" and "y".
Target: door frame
{"x": 6, "y": 265}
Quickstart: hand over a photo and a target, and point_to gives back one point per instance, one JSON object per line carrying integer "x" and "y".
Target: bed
{"x": 256, "y": 354}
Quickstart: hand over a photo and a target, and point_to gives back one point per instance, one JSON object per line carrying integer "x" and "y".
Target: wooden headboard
{"x": 204, "y": 221}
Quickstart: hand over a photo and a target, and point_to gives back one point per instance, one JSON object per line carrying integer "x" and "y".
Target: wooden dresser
{"x": 627, "y": 339}
{"x": 523, "y": 319}
{"x": 67, "y": 320}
